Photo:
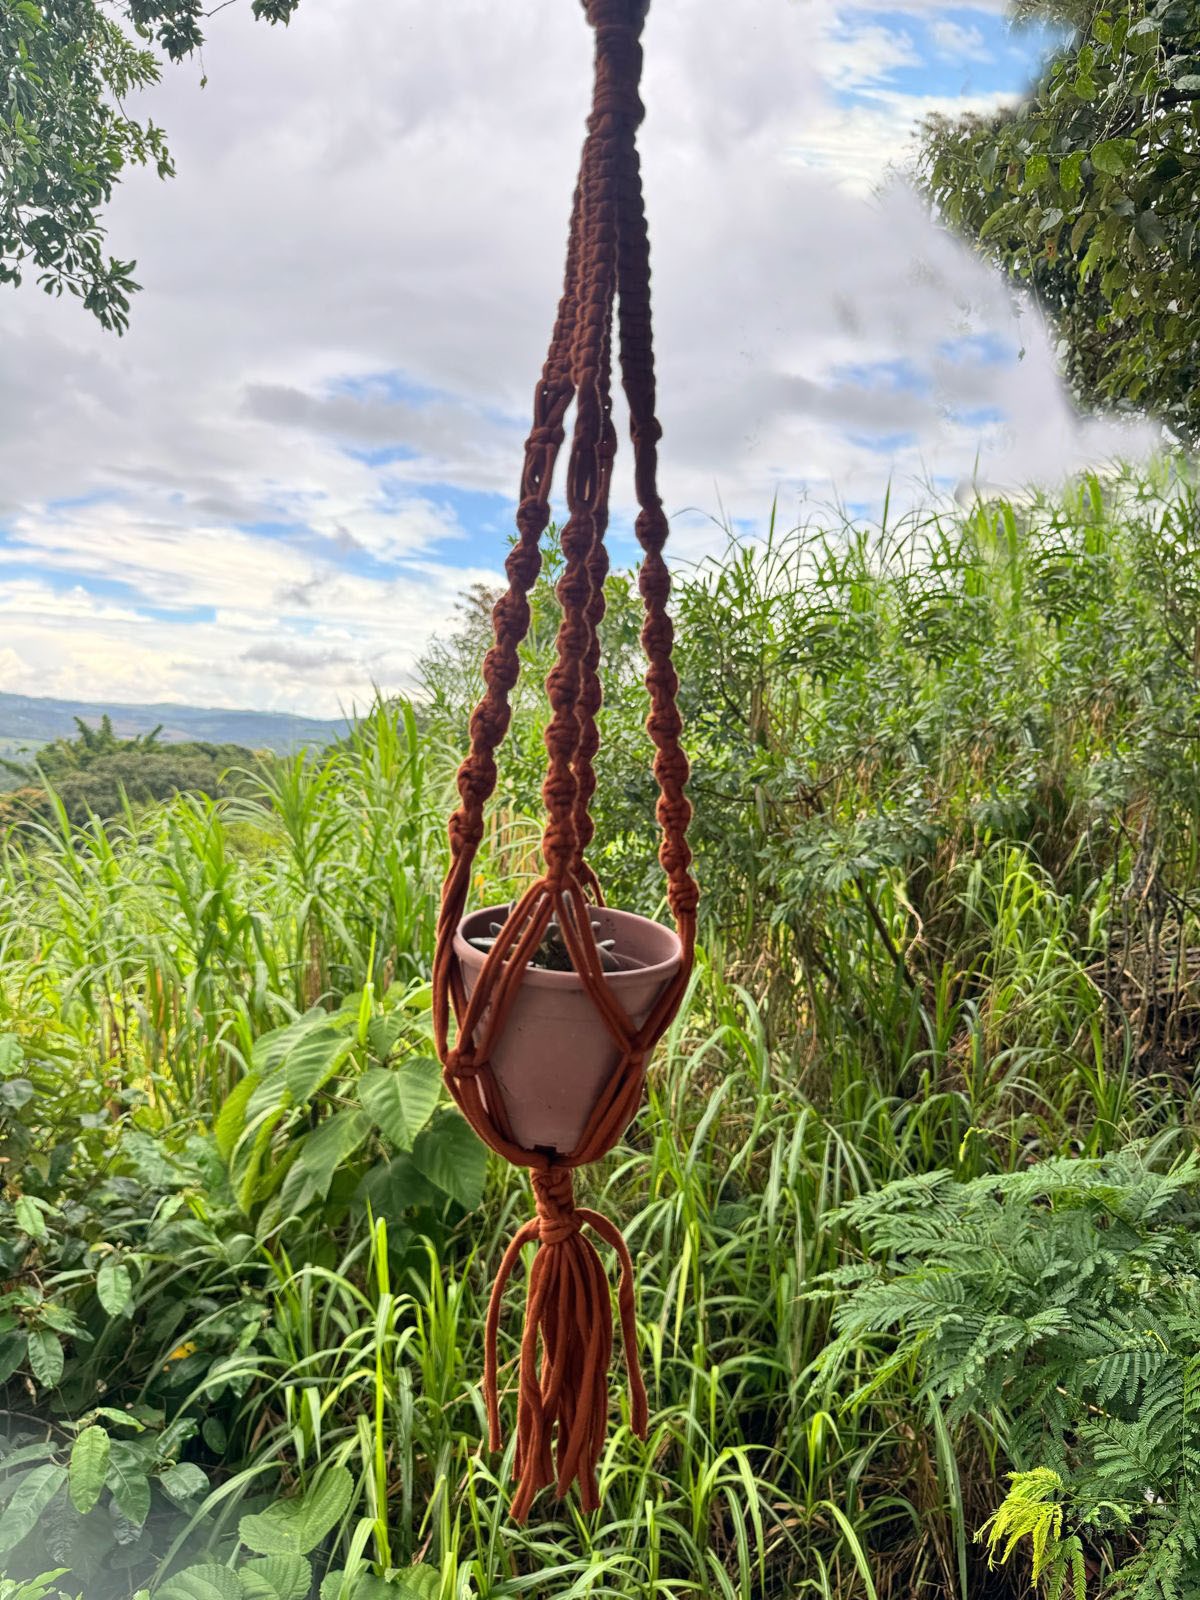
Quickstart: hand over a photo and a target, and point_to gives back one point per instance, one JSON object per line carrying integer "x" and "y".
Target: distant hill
{"x": 29, "y": 721}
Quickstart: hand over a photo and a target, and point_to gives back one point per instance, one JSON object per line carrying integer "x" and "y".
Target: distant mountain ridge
{"x": 31, "y": 720}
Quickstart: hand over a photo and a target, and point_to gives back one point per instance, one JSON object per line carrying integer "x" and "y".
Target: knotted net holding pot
{"x": 562, "y": 1401}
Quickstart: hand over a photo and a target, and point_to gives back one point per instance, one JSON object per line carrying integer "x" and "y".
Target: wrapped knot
{"x": 554, "y": 1195}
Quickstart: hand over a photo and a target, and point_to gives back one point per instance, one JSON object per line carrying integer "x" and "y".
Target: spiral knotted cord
{"x": 562, "y": 1401}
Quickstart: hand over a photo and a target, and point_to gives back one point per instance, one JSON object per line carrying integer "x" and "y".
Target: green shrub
{"x": 1059, "y": 1305}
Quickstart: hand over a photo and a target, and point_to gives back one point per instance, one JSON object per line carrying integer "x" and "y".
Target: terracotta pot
{"x": 555, "y": 1055}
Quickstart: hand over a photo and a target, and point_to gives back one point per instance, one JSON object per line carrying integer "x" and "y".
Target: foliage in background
{"x": 99, "y": 773}
{"x": 1059, "y": 1305}
{"x": 946, "y": 778}
{"x": 65, "y": 136}
{"x": 1088, "y": 193}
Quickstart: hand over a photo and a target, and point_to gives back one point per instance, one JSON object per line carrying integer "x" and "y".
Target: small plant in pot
{"x": 554, "y": 1054}
{"x": 552, "y": 954}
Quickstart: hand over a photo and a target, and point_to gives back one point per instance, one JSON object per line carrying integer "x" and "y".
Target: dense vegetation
{"x": 99, "y": 773}
{"x": 912, "y": 1197}
{"x": 1087, "y": 193}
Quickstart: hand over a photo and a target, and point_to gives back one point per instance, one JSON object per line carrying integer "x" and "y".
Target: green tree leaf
{"x": 89, "y": 1467}
{"x": 294, "y": 1527}
{"x": 12, "y": 1353}
{"x": 450, "y": 1155}
{"x": 15, "y": 1093}
{"x": 128, "y": 1483}
{"x": 114, "y": 1285}
{"x": 45, "y": 1357}
{"x": 323, "y": 1152}
{"x": 313, "y": 1060}
{"x": 402, "y": 1099}
{"x": 30, "y": 1217}
{"x": 281, "y": 1577}
{"x": 1113, "y": 157}
{"x": 28, "y": 1500}
{"x": 184, "y": 1481}
{"x": 208, "y": 1581}
{"x": 231, "y": 1119}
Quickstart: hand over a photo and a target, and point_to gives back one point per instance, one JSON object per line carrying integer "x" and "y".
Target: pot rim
{"x": 539, "y": 977}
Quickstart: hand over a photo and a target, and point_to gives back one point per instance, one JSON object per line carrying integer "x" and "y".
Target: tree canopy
{"x": 1088, "y": 193}
{"x": 66, "y": 70}
{"x": 97, "y": 772}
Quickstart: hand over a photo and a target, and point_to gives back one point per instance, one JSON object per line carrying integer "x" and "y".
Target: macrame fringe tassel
{"x": 562, "y": 1399}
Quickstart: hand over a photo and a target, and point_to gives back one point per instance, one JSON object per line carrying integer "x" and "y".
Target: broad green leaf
{"x": 420, "y": 1582}
{"x": 124, "y": 1419}
{"x": 89, "y": 1468}
{"x": 45, "y": 1356}
{"x": 1037, "y": 170}
{"x": 272, "y": 1049}
{"x": 12, "y": 1353}
{"x": 130, "y": 1488}
{"x": 1070, "y": 171}
{"x": 402, "y": 1099}
{"x": 1003, "y": 215}
{"x": 382, "y": 1033}
{"x": 28, "y": 1500}
{"x": 276, "y": 1578}
{"x": 114, "y": 1285}
{"x": 15, "y": 1093}
{"x": 11, "y": 1054}
{"x": 313, "y": 1060}
{"x": 343, "y": 1584}
{"x": 332, "y": 1143}
{"x": 1113, "y": 157}
{"x": 205, "y": 1582}
{"x": 987, "y": 163}
{"x": 298, "y": 1191}
{"x": 231, "y": 1118}
{"x": 294, "y": 1527}
{"x": 30, "y": 1217}
{"x": 184, "y": 1481}
{"x": 450, "y": 1155}
{"x": 247, "y": 1166}
{"x": 394, "y": 1187}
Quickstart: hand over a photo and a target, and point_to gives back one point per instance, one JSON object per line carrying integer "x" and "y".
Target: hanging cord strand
{"x": 510, "y": 619}
{"x": 654, "y": 580}
{"x": 566, "y": 1344}
{"x": 571, "y": 728}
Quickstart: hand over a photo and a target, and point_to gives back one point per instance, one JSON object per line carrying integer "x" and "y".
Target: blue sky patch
{"x": 953, "y": 51}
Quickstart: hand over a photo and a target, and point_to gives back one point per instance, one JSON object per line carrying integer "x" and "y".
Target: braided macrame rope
{"x": 562, "y": 1398}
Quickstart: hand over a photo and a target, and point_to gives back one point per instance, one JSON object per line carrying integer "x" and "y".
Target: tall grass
{"x": 947, "y": 797}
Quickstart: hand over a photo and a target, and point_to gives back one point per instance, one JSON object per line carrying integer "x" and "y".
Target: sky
{"x": 272, "y": 490}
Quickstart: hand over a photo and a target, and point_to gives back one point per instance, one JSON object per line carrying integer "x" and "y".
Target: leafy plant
{"x": 1085, "y": 193}
{"x": 1060, "y": 1304}
{"x": 552, "y": 953}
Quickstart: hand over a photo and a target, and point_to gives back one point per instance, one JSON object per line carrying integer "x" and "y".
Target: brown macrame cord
{"x": 562, "y": 1398}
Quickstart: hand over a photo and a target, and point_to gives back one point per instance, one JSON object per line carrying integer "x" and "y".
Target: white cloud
{"x": 958, "y": 42}
{"x": 379, "y": 194}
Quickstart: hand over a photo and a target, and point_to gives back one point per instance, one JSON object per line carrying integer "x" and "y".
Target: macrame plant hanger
{"x": 562, "y": 1398}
